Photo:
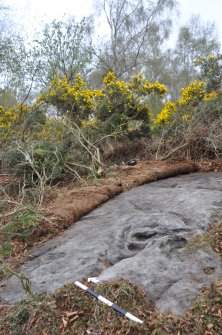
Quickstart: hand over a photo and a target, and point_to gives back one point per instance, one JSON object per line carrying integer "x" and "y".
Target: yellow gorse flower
{"x": 191, "y": 96}
{"x": 164, "y": 116}
{"x": 210, "y": 96}
{"x": 192, "y": 93}
{"x": 127, "y": 101}
{"x": 109, "y": 78}
{"x": 75, "y": 96}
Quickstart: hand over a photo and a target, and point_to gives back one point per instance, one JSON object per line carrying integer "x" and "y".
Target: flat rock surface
{"x": 140, "y": 236}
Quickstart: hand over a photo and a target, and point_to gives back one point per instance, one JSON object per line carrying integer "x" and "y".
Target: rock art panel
{"x": 140, "y": 236}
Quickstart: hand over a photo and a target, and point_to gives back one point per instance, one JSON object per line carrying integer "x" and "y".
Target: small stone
{"x": 132, "y": 162}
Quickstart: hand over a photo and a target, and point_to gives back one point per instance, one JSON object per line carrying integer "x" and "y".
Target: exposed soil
{"x": 71, "y": 203}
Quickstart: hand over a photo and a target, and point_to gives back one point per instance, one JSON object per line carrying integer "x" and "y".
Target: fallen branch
{"x": 173, "y": 151}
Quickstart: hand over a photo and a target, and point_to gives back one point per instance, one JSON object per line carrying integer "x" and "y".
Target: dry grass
{"x": 72, "y": 311}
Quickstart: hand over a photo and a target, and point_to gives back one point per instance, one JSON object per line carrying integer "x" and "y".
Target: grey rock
{"x": 143, "y": 234}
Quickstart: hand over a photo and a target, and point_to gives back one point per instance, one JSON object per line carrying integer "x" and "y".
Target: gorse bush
{"x": 117, "y": 106}
{"x": 124, "y": 105}
{"x": 193, "y": 123}
{"x": 73, "y": 99}
{"x": 70, "y": 122}
{"x": 191, "y": 96}
{"x": 20, "y": 123}
{"x": 211, "y": 71}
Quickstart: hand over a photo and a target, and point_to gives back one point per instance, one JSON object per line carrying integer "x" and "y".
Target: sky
{"x": 209, "y": 10}
{"x": 33, "y": 13}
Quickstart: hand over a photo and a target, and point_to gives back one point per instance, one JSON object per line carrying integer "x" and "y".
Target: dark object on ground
{"x": 132, "y": 162}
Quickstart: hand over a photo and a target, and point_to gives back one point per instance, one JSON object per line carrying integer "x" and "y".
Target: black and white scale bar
{"x": 108, "y": 302}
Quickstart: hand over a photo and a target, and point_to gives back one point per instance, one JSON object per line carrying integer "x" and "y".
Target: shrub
{"x": 20, "y": 122}
{"x": 73, "y": 99}
{"x": 37, "y": 160}
{"x": 192, "y": 124}
{"x": 22, "y": 224}
{"x": 124, "y": 105}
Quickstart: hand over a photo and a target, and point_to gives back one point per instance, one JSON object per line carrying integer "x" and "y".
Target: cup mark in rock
{"x": 136, "y": 247}
{"x": 143, "y": 236}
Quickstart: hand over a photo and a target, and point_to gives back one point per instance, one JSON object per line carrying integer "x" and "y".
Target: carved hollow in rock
{"x": 143, "y": 236}
{"x": 136, "y": 247}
